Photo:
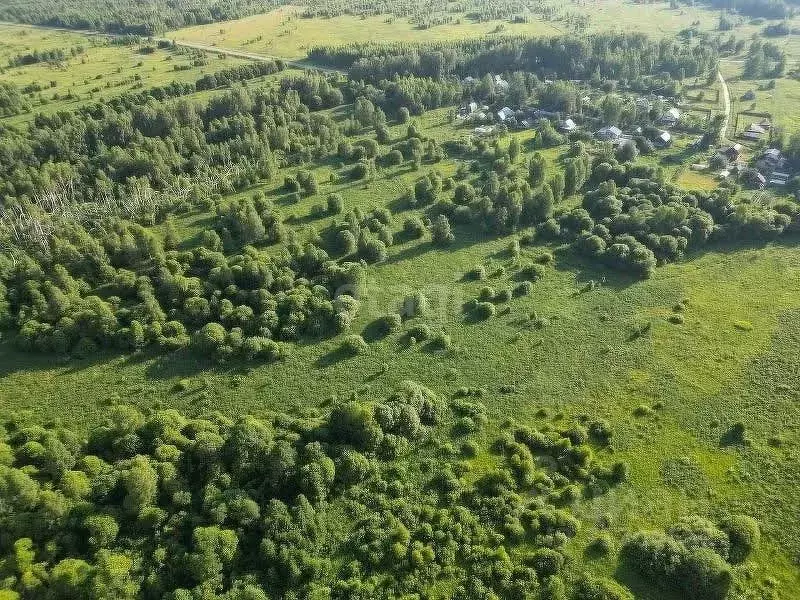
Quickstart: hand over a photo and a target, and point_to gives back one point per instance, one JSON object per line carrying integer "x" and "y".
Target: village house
{"x": 732, "y": 151}
{"x": 567, "y": 126}
{"x": 778, "y": 178}
{"x": 663, "y": 139}
{"x": 670, "y": 118}
{"x": 500, "y": 84}
{"x": 484, "y": 130}
{"x": 505, "y": 113}
{"x": 608, "y": 134}
{"x": 754, "y": 132}
{"x": 771, "y": 160}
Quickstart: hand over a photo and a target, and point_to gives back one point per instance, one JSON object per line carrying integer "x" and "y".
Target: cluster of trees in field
{"x": 764, "y": 60}
{"x": 633, "y": 220}
{"x": 12, "y": 101}
{"x": 767, "y": 9}
{"x": 101, "y": 147}
{"x": 429, "y": 13}
{"x": 375, "y": 500}
{"x": 608, "y": 56}
{"x": 122, "y": 290}
{"x": 39, "y": 56}
{"x": 630, "y": 218}
{"x": 112, "y": 16}
{"x": 694, "y": 556}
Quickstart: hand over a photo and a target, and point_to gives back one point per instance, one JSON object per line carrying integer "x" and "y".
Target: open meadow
{"x": 97, "y": 70}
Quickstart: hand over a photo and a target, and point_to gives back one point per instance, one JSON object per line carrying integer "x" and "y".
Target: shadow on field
{"x": 464, "y": 239}
{"x": 374, "y": 331}
{"x": 640, "y": 588}
{"x": 331, "y": 358}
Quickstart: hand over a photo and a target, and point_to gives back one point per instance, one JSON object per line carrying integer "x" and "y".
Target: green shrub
{"x": 391, "y": 323}
{"x": 602, "y": 545}
{"x": 419, "y": 332}
{"x": 485, "y": 310}
{"x": 503, "y": 295}
{"x": 470, "y": 449}
{"x": 415, "y": 305}
{"x": 744, "y": 535}
{"x": 414, "y": 227}
{"x": 335, "y": 204}
{"x": 523, "y": 288}
{"x": 486, "y": 294}
{"x": 597, "y": 588}
{"x": 477, "y": 273}
{"x": 545, "y": 562}
{"x": 533, "y": 272}
{"x": 355, "y": 344}
{"x": 441, "y": 341}
{"x": 600, "y": 431}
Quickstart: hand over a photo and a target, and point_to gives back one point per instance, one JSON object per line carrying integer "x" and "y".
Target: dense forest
{"x": 137, "y": 18}
{"x": 159, "y": 16}
{"x": 626, "y": 57}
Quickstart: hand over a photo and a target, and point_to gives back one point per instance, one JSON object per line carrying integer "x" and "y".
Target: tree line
{"x": 113, "y": 16}
{"x": 608, "y": 56}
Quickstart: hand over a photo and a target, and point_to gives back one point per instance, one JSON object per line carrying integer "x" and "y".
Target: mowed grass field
{"x": 101, "y": 71}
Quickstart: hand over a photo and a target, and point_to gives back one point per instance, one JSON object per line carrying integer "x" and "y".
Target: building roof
{"x": 756, "y": 128}
{"x": 612, "y": 131}
{"x": 773, "y": 153}
{"x": 665, "y": 137}
{"x": 567, "y": 124}
{"x": 505, "y": 113}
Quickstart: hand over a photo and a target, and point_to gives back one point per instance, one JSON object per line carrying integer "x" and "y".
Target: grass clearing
{"x": 284, "y": 33}
{"x": 101, "y": 71}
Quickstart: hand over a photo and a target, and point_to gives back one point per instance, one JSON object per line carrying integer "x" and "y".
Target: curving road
{"x": 726, "y": 102}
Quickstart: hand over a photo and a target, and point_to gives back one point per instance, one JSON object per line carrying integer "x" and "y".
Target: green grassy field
{"x": 101, "y": 71}
{"x": 286, "y": 34}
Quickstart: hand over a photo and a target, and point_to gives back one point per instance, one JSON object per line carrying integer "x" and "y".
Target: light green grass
{"x": 285, "y": 34}
{"x": 102, "y": 72}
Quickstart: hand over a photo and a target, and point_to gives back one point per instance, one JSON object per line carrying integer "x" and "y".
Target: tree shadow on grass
{"x": 642, "y": 588}
{"x": 13, "y": 360}
{"x": 332, "y": 358}
{"x": 184, "y": 363}
{"x": 374, "y": 331}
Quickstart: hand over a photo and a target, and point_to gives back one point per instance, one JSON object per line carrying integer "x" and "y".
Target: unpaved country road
{"x": 193, "y": 45}
{"x": 726, "y": 102}
{"x": 248, "y": 55}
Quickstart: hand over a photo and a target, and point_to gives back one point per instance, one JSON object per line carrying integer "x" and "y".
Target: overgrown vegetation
{"x": 262, "y": 225}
